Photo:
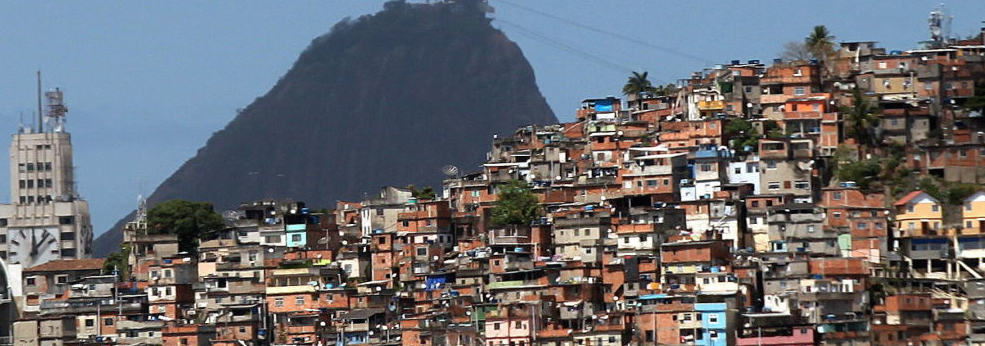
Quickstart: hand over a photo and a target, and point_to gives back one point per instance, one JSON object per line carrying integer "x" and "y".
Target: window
{"x": 272, "y": 239}
{"x": 90, "y": 322}
{"x": 47, "y": 166}
{"x": 422, "y": 251}
{"x": 475, "y": 193}
{"x": 405, "y": 223}
{"x": 299, "y": 300}
{"x": 803, "y": 185}
{"x": 863, "y": 225}
{"x": 649, "y": 336}
{"x": 836, "y": 214}
{"x": 755, "y": 204}
{"x": 184, "y": 341}
{"x": 108, "y": 322}
{"x": 278, "y": 301}
{"x": 706, "y": 167}
{"x": 31, "y": 281}
{"x": 496, "y": 326}
{"x": 773, "y": 185}
{"x": 66, "y": 220}
{"x": 810, "y": 228}
{"x": 295, "y": 237}
{"x": 935, "y": 208}
{"x": 836, "y": 195}
{"x": 650, "y": 183}
{"x": 713, "y": 334}
{"x": 61, "y": 279}
{"x": 771, "y": 164}
{"x": 798, "y": 91}
{"x": 738, "y": 170}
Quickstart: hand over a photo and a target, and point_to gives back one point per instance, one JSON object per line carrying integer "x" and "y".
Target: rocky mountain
{"x": 387, "y": 99}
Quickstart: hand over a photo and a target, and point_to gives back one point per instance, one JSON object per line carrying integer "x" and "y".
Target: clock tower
{"x": 46, "y": 218}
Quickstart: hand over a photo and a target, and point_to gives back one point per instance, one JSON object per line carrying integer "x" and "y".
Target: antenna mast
{"x": 40, "y": 114}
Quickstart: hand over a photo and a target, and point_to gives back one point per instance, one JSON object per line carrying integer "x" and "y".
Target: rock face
{"x": 387, "y": 99}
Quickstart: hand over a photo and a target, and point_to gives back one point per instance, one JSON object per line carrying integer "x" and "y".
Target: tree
{"x": 864, "y": 173}
{"x": 861, "y": 118}
{"x": 794, "y": 51}
{"x": 820, "y": 42}
{"x": 772, "y": 129}
{"x": 426, "y": 193}
{"x": 119, "y": 261}
{"x": 638, "y": 83}
{"x": 742, "y": 134}
{"x": 976, "y": 103}
{"x": 191, "y": 221}
{"x": 517, "y": 205}
{"x": 666, "y": 90}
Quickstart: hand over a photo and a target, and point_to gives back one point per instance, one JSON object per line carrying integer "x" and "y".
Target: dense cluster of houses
{"x": 656, "y": 229}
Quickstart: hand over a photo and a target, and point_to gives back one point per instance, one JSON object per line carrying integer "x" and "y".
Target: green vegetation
{"x": 517, "y": 205}
{"x": 772, "y": 129}
{"x": 977, "y": 103}
{"x": 861, "y": 118}
{"x": 948, "y": 192}
{"x": 637, "y": 84}
{"x": 119, "y": 261}
{"x": 191, "y": 221}
{"x": 865, "y": 173}
{"x": 820, "y": 42}
{"x": 666, "y": 90}
{"x": 742, "y": 134}
{"x": 421, "y": 194}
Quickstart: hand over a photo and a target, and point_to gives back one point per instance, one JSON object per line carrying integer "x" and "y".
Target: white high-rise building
{"x": 46, "y": 219}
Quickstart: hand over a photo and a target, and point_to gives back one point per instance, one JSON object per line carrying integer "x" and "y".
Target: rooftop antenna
{"x": 450, "y": 171}
{"x": 56, "y": 108}
{"x": 40, "y": 121}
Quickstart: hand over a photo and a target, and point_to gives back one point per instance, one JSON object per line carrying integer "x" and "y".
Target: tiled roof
{"x": 68, "y": 265}
{"x": 909, "y": 197}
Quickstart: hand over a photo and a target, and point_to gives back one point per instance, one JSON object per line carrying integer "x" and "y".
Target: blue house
{"x": 717, "y": 324}
{"x": 297, "y": 235}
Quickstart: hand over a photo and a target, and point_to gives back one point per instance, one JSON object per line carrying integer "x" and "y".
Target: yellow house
{"x": 973, "y": 213}
{"x": 918, "y": 213}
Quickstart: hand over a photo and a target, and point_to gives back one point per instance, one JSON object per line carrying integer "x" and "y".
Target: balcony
{"x": 576, "y": 310}
{"x": 825, "y": 296}
{"x": 711, "y": 105}
{"x": 138, "y": 325}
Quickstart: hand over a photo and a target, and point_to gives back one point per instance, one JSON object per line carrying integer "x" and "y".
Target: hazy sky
{"x": 148, "y": 82}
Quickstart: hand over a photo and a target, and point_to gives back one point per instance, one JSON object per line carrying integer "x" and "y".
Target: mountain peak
{"x": 386, "y": 99}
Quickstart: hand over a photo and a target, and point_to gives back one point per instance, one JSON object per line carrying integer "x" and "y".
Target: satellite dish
{"x": 450, "y": 170}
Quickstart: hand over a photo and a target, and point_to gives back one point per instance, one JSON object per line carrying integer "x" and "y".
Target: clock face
{"x": 32, "y": 246}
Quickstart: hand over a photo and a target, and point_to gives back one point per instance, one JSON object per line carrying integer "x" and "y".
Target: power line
{"x": 610, "y": 33}
{"x": 615, "y": 66}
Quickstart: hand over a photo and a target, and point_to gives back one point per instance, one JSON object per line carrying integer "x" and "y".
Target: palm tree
{"x": 638, "y": 83}
{"x": 861, "y": 118}
{"x": 820, "y": 42}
